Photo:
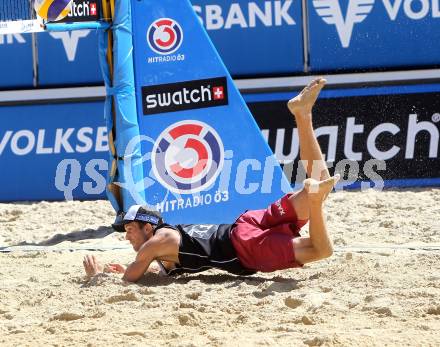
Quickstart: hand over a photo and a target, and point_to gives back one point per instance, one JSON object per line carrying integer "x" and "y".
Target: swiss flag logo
{"x": 93, "y": 9}
{"x": 219, "y": 93}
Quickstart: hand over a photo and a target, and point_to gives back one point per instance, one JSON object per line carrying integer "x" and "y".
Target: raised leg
{"x": 310, "y": 152}
{"x": 308, "y": 204}
{"x": 318, "y": 245}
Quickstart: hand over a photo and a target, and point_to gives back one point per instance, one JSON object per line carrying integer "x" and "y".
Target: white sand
{"x": 375, "y": 290}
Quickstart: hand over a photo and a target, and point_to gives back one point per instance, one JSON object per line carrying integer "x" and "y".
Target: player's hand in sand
{"x": 92, "y": 266}
{"x": 114, "y": 268}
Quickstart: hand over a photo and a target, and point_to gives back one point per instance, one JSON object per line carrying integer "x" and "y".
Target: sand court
{"x": 381, "y": 287}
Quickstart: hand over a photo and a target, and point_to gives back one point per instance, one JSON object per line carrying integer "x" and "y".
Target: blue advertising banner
{"x": 58, "y": 152}
{"x": 374, "y": 137}
{"x": 16, "y": 61}
{"x": 255, "y": 37}
{"x": 68, "y": 58}
{"x": 53, "y": 152}
{"x": 373, "y": 33}
{"x": 204, "y": 158}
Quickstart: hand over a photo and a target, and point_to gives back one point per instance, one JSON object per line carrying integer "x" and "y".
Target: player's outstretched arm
{"x": 162, "y": 246}
{"x": 145, "y": 256}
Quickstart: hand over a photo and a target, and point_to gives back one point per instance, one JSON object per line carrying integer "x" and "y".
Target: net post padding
{"x": 120, "y": 107}
{"x": 77, "y": 26}
{"x": 106, "y": 62}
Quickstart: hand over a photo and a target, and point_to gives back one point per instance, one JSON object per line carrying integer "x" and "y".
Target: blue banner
{"x": 204, "y": 158}
{"x": 391, "y": 138}
{"x": 255, "y": 37}
{"x": 16, "y": 61}
{"x": 53, "y": 152}
{"x": 68, "y": 58}
{"x": 58, "y": 152}
{"x": 373, "y": 34}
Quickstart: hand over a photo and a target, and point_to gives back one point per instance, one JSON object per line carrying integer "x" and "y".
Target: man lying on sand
{"x": 260, "y": 240}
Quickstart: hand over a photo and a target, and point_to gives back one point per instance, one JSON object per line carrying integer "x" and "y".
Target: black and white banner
{"x": 188, "y": 95}
{"x": 390, "y": 137}
{"x": 84, "y": 11}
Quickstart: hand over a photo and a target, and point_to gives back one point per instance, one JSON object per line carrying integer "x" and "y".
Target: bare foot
{"x": 302, "y": 104}
{"x": 319, "y": 190}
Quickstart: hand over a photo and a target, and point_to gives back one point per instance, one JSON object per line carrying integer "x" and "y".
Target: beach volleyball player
{"x": 259, "y": 240}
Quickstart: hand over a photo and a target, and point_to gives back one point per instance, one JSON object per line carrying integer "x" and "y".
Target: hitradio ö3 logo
{"x": 165, "y": 36}
{"x": 187, "y": 157}
{"x": 331, "y": 13}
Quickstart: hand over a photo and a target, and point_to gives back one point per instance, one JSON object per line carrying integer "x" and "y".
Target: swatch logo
{"x": 187, "y": 95}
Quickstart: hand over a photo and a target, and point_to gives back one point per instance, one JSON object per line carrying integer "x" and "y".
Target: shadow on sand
{"x": 88, "y": 234}
{"x": 279, "y": 284}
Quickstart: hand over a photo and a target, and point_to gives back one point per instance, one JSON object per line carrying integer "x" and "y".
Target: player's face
{"x": 136, "y": 235}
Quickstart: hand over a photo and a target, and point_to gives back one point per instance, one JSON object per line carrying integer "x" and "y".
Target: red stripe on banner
{"x": 162, "y": 22}
{"x": 186, "y": 129}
